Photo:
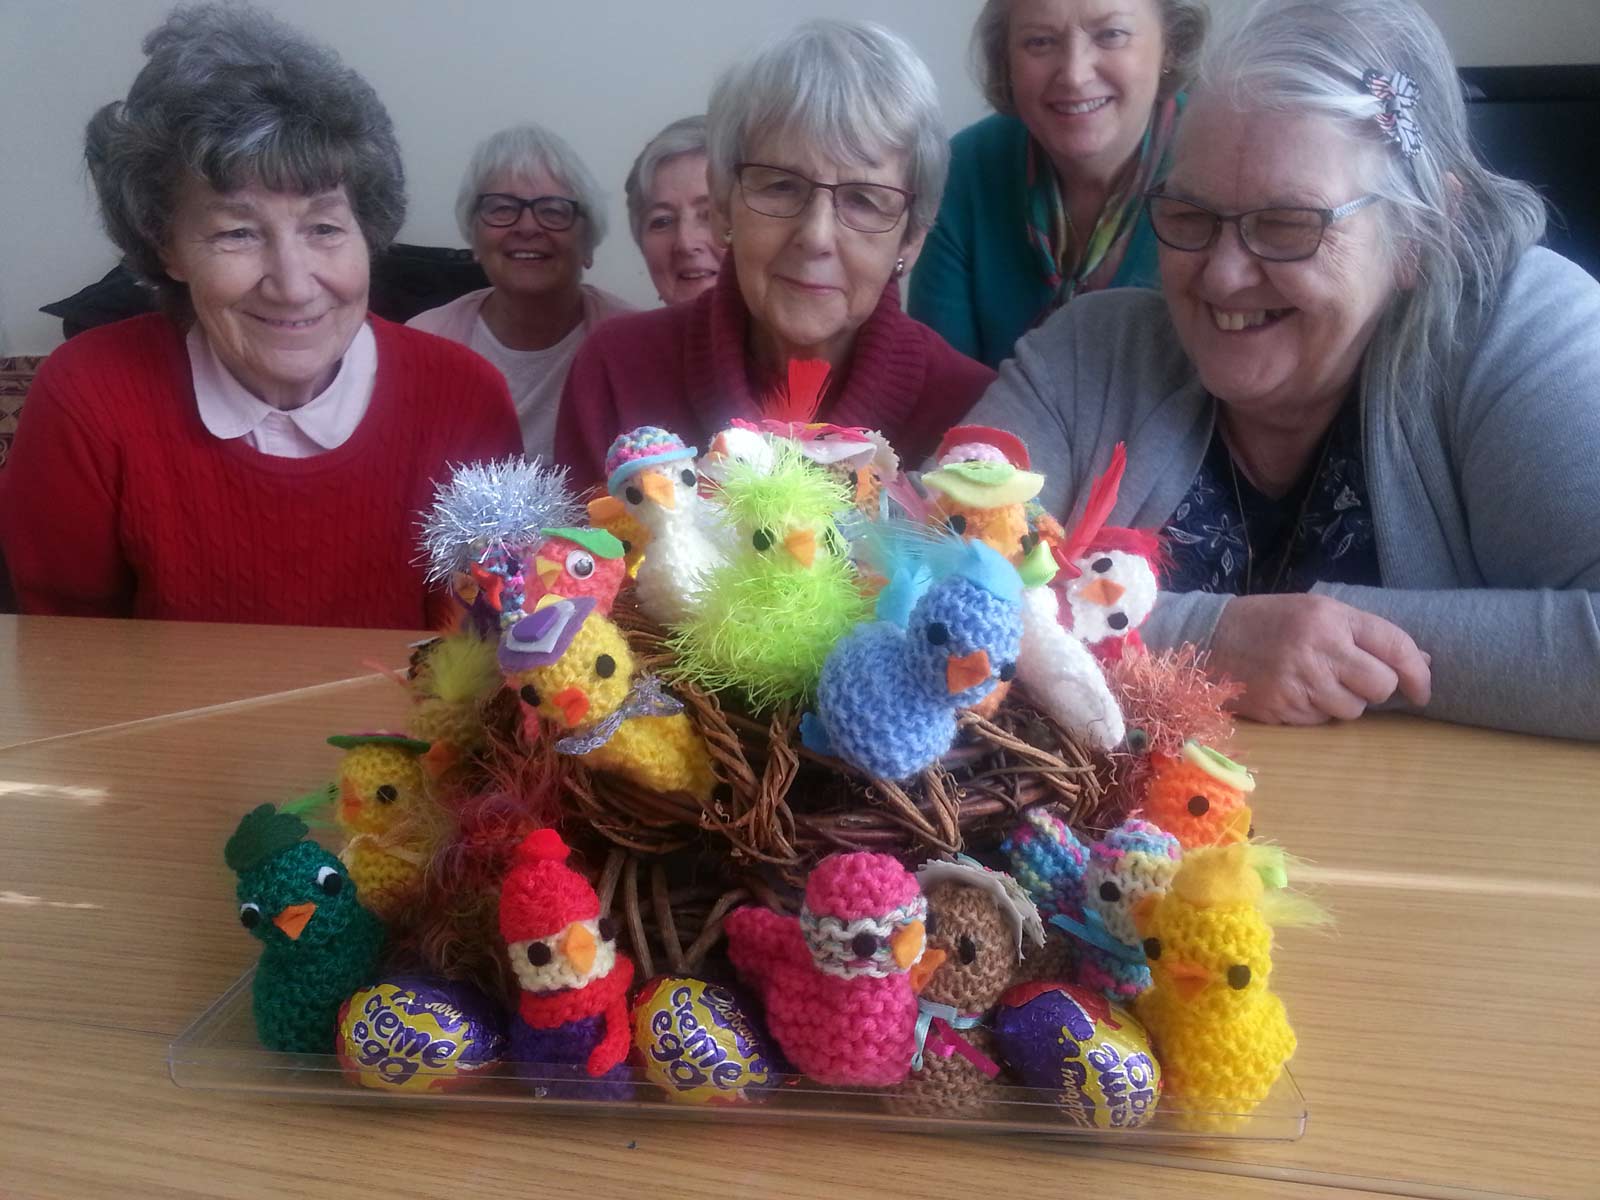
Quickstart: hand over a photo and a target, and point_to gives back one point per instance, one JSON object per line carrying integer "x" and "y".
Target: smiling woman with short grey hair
{"x": 669, "y": 207}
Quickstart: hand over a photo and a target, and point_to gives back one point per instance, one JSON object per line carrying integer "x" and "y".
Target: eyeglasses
{"x": 553, "y": 213}
{"x": 1275, "y": 234}
{"x": 865, "y": 207}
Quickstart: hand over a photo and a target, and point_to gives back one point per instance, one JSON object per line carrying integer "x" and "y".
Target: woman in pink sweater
{"x": 827, "y": 158}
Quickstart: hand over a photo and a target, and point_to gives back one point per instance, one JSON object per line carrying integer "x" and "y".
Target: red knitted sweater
{"x": 686, "y": 369}
{"x": 118, "y": 502}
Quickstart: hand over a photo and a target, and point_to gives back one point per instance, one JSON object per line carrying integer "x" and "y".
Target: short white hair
{"x": 685, "y": 136}
{"x": 522, "y": 150}
{"x": 852, "y": 89}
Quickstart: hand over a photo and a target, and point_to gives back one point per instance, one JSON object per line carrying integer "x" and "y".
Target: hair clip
{"x": 1398, "y": 94}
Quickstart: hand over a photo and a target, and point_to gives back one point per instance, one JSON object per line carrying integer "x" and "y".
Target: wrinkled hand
{"x": 1305, "y": 659}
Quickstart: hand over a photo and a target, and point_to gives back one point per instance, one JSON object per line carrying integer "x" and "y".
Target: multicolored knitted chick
{"x": 392, "y": 822}
{"x": 573, "y": 1011}
{"x": 888, "y": 697}
{"x": 1201, "y": 797}
{"x": 574, "y": 667}
{"x": 580, "y": 562}
{"x": 652, "y": 472}
{"x": 319, "y": 944}
{"x": 835, "y": 980}
{"x": 982, "y": 486}
{"x": 1221, "y": 1035}
{"x": 768, "y": 617}
{"x": 1090, "y": 892}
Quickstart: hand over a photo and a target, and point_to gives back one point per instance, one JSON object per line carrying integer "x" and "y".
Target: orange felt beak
{"x": 573, "y": 703}
{"x": 294, "y": 918}
{"x": 932, "y": 959}
{"x": 1102, "y": 591}
{"x": 802, "y": 543}
{"x": 1238, "y": 828}
{"x": 1188, "y": 979}
{"x": 547, "y": 570}
{"x": 659, "y": 488}
{"x": 578, "y": 947}
{"x": 349, "y": 802}
{"x": 965, "y": 672}
{"x": 907, "y": 944}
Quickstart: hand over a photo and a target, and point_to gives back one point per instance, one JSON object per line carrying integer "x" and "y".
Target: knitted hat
{"x": 598, "y": 542}
{"x": 851, "y": 886}
{"x": 1135, "y": 837}
{"x": 1046, "y": 856}
{"x": 542, "y": 637}
{"x": 963, "y": 443}
{"x": 639, "y": 448}
{"x": 542, "y": 895}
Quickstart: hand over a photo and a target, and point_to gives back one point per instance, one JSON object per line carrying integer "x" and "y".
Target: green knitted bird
{"x": 321, "y": 945}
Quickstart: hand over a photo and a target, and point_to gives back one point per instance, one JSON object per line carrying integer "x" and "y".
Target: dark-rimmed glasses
{"x": 864, "y": 207}
{"x": 553, "y": 213}
{"x": 1275, "y": 234}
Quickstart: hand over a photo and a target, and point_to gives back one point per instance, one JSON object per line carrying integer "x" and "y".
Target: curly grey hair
{"x": 1457, "y": 225}
{"x": 685, "y": 136}
{"x": 234, "y": 97}
{"x": 522, "y": 150}
{"x": 1183, "y": 29}
{"x": 850, "y": 88}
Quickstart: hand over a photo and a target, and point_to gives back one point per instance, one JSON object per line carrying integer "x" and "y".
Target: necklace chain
{"x": 1294, "y": 532}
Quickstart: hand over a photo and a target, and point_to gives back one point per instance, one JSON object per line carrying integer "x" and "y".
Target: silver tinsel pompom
{"x": 493, "y": 505}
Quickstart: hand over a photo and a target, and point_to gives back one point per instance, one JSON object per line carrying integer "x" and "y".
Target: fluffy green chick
{"x": 788, "y": 592}
{"x": 320, "y": 945}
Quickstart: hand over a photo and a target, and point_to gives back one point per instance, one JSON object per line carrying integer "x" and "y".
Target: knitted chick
{"x": 319, "y": 944}
{"x": 1201, "y": 797}
{"x": 392, "y": 823}
{"x": 574, "y": 667}
{"x": 451, "y": 678}
{"x": 834, "y": 980}
{"x": 1089, "y": 891}
{"x": 888, "y": 698}
{"x": 978, "y": 923}
{"x": 982, "y": 486}
{"x": 652, "y": 473}
{"x": 573, "y": 1010}
{"x": 768, "y": 618}
{"x": 1062, "y": 677}
{"x": 580, "y": 562}
{"x": 1222, "y": 1037}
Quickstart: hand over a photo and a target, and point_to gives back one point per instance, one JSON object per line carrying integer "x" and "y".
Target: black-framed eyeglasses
{"x": 865, "y": 207}
{"x": 553, "y": 213}
{"x": 1275, "y": 234}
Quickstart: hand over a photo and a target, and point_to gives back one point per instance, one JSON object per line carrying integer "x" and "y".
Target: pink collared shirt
{"x": 229, "y": 411}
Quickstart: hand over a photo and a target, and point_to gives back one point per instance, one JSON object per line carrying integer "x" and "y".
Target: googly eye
{"x": 539, "y": 954}
{"x": 1152, "y": 948}
{"x": 249, "y": 915}
{"x": 1110, "y": 892}
{"x": 1238, "y": 977}
{"x": 966, "y": 949}
{"x": 580, "y": 564}
{"x": 605, "y": 666}
{"x": 329, "y": 881}
{"x": 1102, "y": 565}
{"x": 761, "y": 540}
{"x": 386, "y": 793}
{"x": 938, "y": 633}
{"x": 1198, "y": 806}
{"x": 864, "y": 944}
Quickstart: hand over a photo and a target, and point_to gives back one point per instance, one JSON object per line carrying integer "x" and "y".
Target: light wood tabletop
{"x": 1448, "y": 1042}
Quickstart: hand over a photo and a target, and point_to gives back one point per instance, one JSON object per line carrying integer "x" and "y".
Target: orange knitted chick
{"x": 393, "y": 823}
{"x": 1200, "y": 797}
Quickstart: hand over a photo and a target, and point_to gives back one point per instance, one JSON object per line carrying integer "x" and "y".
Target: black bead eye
{"x": 957, "y": 523}
{"x": 1138, "y": 741}
{"x": 634, "y": 495}
{"x": 1117, "y": 620}
{"x": 1101, "y": 565}
{"x": 1199, "y": 806}
{"x": 539, "y": 954}
{"x": 966, "y": 949}
{"x": 687, "y": 476}
{"x": 1008, "y": 672}
{"x": 627, "y": 546}
{"x": 761, "y": 540}
{"x": 1029, "y": 541}
{"x": 608, "y": 929}
{"x": 833, "y": 542}
{"x": 938, "y": 633}
{"x": 386, "y": 793}
{"x": 864, "y": 945}
{"x": 249, "y": 915}
{"x": 1152, "y": 948}
{"x": 1110, "y": 892}
{"x": 1239, "y": 977}
{"x": 605, "y": 666}
{"x": 329, "y": 881}
{"x": 931, "y": 925}
{"x": 529, "y": 694}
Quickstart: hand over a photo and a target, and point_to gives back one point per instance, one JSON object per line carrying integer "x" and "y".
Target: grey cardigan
{"x": 1485, "y": 496}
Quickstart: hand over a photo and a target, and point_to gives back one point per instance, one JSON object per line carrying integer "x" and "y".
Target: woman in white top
{"x": 533, "y": 215}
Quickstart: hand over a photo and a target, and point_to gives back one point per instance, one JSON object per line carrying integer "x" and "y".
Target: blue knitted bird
{"x": 888, "y": 697}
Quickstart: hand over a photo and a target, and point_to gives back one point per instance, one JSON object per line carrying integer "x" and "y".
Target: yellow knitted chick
{"x": 393, "y": 823}
{"x": 1222, "y": 1037}
{"x": 583, "y": 682}
{"x": 452, "y": 677}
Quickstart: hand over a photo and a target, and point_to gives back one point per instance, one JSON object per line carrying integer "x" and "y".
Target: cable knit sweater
{"x": 686, "y": 368}
{"x": 118, "y": 502}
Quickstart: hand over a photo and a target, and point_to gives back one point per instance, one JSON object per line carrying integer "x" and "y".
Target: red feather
{"x": 1102, "y": 499}
{"x": 799, "y": 398}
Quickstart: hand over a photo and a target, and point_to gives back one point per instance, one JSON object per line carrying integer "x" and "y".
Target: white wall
{"x": 604, "y": 73}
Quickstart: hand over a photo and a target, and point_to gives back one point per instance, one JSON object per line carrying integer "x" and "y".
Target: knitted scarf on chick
{"x": 766, "y": 623}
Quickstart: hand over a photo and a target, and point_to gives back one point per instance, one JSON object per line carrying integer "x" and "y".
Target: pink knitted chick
{"x": 834, "y": 981}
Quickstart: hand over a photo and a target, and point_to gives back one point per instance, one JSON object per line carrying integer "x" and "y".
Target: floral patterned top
{"x": 1320, "y": 531}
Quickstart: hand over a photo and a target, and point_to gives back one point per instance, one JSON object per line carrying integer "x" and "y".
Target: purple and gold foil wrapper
{"x": 699, "y": 1042}
{"x": 414, "y": 1034}
{"x": 1093, "y": 1055}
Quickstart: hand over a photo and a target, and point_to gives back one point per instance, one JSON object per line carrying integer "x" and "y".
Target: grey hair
{"x": 234, "y": 97}
{"x": 522, "y": 150}
{"x": 685, "y": 136}
{"x": 1183, "y": 33}
{"x": 852, "y": 89}
{"x": 1457, "y": 226}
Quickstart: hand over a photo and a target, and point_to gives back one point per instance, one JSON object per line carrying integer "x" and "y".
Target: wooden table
{"x": 1448, "y": 1040}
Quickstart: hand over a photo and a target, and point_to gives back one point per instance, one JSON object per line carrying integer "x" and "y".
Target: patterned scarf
{"x": 1050, "y": 228}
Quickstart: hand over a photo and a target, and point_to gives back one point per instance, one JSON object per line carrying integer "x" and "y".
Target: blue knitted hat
{"x": 639, "y": 448}
{"x": 1046, "y": 856}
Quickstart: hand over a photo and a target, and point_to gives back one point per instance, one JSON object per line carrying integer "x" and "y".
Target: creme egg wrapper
{"x": 415, "y": 1034}
{"x": 1072, "y": 1041}
{"x": 699, "y": 1043}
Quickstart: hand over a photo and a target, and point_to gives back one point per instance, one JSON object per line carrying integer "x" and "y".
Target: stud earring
{"x": 899, "y": 266}
{"x": 727, "y": 237}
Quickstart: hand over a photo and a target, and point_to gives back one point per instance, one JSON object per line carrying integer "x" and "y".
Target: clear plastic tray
{"x": 219, "y": 1052}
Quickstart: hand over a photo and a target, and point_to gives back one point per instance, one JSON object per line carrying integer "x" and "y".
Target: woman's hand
{"x": 1305, "y": 659}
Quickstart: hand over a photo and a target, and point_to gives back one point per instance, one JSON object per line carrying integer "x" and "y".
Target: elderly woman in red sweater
{"x": 827, "y": 158}
{"x": 258, "y": 452}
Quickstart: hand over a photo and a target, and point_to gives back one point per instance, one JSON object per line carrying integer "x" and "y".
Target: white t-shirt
{"x": 535, "y": 377}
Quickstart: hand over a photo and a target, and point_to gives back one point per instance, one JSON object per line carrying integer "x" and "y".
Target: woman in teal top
{"x": 1046, "y": 197}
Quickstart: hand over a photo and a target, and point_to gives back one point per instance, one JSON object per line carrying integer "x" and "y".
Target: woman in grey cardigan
{"x": 1366, "y": 411}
